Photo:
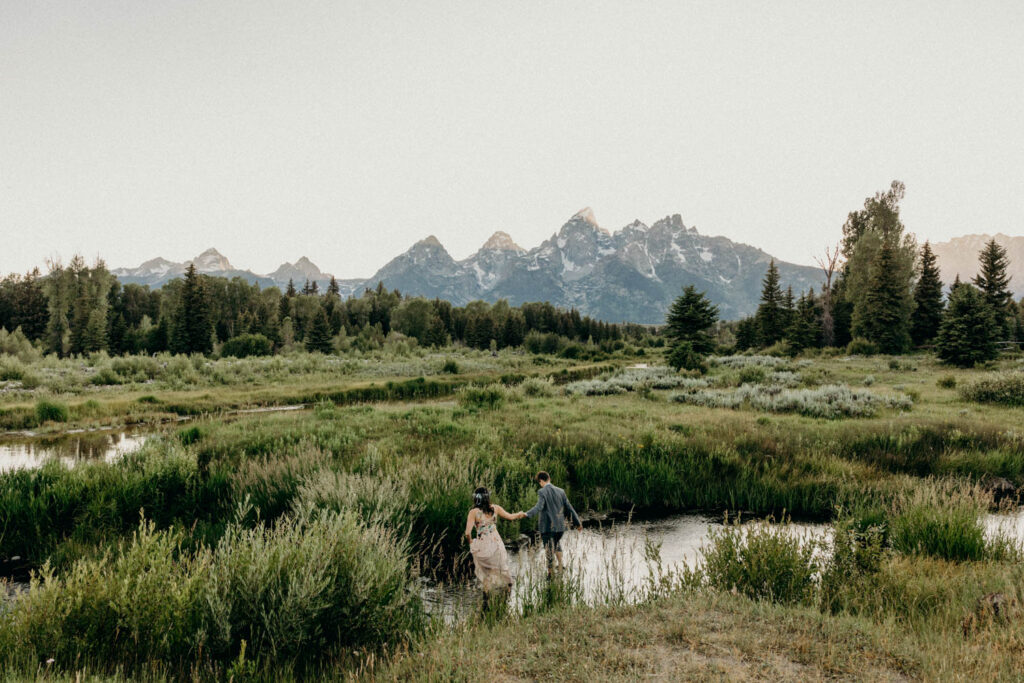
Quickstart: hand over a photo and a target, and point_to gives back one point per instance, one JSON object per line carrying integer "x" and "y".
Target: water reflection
{"x": 69, "y": 448}
{"x": 611, "y": 563}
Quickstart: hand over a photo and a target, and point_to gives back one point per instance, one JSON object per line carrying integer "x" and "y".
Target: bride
{"x": 488, "y": 550}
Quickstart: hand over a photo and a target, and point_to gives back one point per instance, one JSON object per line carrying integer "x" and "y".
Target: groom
{"x": 552, "y": 506}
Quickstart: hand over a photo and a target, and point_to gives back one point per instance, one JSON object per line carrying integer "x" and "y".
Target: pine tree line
{"x": 889, "y": 295}
{"x": 78, "y": 309}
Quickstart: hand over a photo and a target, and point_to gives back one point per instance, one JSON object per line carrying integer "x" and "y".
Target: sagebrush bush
{"x": 762, "y": 561}
{"x": 947, "y": 382}
{"x": 830, "y": 401}
{"x": 742, "y": 361}
{"x": 635, "y": 379}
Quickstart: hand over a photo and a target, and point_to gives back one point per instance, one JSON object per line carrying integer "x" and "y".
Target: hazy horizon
{"x": 346, "y": 132}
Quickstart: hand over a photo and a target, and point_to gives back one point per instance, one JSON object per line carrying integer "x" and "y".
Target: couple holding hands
{"x": 488, "y": 550}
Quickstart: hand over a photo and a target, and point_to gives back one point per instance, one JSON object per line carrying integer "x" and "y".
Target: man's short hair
{"x": 543, "y": 476}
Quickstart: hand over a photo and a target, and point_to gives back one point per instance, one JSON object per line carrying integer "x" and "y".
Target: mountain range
{"x": 630, "y": 275}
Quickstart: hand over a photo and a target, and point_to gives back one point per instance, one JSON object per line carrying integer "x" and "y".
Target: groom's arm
{"x": 535, "y": 510}
{"x": 572, "y": 513}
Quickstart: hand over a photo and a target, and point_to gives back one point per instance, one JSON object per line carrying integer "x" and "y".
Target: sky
{"x": 346, "y": 131}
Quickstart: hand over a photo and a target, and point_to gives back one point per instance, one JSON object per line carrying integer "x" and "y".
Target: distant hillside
{"x": 631, "y": 275}
{"x": 959, "y": 256}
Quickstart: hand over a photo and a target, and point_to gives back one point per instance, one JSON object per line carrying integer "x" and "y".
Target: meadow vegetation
{"x": 292, "y": 545}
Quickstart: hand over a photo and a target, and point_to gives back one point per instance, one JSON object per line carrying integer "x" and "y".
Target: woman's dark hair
{"x": 482, "y": 500}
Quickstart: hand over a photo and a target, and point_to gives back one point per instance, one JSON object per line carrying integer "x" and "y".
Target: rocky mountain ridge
{"x": 631, "y": 275}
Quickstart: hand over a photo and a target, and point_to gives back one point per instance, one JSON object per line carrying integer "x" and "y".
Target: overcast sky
{"x": 346, "y": 131}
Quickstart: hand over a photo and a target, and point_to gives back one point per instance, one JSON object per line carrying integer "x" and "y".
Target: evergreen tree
{"x": 771, "y": 315}
{"x": 968, "y": 330}
{"x": 192, "y": 331}
{"x": 805, "y": 328}
{"x": 158, "y": 338}
{"x": 788, "y": 307}
{"x": 927, "y": 315}
{"x": 333, "y": 289}
{"x": 993, "y": 281}
{"x": 690, "y": 318}
{"x": 748, "y": 334}
{"x": 882, "y": 319}
{"x": 290, "y": 291}
{"x": 319, "y": 337}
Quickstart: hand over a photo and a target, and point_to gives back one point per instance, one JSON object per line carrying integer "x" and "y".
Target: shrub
{"x": 247, "y": 345}
{"x": 322, "y": 580}
{"x": 761, "y": 561}
{"x": 536, "y": 387}
{"x": 1006, "y": 388}
{"x": 572, "y": 351}
{"x": 744, "y": 361}
{"x": 781, "y": 349}
{"x": 51, "y": 411}
{"x": 684, "y": 357}
{"x": 635, "y": 379}
{"x": 450, "y": 367}
{"x": 106, "y": 376}
{"x": 18, "y": 345}
{"x": 11, "y": 368}
{"x": 490, "y": 397}
{"x": 830, "y": 401}
{"x": 947, "y": 382}
{"x": 852, "y": 568}
{"x": 861, "y": 347}
{"x": 753, "y": 374}
{"x": 869, "y": 380}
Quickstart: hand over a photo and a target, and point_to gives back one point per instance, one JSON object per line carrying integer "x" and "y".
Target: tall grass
{"x": 941, "y": 521}
{"x": 761, "y": 561}
{"x": 308, "y": 583}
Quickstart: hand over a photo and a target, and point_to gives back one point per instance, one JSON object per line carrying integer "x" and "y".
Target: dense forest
{"x": 79, "y": 309}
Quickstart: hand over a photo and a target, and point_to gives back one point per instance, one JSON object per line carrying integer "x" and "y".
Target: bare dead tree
{"x": 828, "y": 265}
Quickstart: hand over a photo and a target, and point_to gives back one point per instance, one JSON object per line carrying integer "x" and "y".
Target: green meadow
{"x": 268, "y": 546}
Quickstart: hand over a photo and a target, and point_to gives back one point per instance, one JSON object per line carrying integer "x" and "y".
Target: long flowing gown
{"x": 489, "y": 555}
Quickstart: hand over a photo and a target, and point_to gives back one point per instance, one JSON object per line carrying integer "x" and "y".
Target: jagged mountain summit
{"x": 630, "y": 275}
{"x": 157, "y": 272}
{"x": 959, "y": 256}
